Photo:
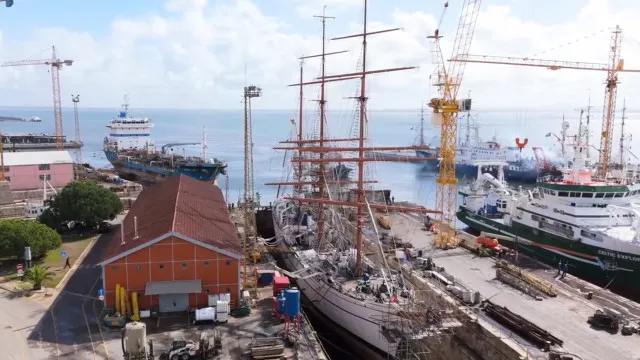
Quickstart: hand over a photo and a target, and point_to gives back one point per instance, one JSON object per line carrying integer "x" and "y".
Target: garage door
{"x": 174, "y": 302}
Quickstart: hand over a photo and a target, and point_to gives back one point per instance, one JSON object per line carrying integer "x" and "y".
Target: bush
{"x": 17, "y": 234}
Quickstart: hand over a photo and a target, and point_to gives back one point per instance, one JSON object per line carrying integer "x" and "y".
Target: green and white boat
{"x": 593, "y": 226}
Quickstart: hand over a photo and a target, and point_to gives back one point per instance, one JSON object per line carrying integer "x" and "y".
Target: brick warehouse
{"x": 179, "y": 246}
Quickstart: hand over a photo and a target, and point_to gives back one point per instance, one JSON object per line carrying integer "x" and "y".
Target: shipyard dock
{"x": 12, "y": 142}
{"x": 562, "y": 318}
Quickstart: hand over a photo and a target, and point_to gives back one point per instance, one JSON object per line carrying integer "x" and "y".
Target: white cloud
{"x": 195, "y": 56}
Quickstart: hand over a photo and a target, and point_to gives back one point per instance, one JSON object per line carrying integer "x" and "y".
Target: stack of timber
{"x": 266, "y": 348}
{"x": 537, "y": 283}
{"x": 525, "y": 328}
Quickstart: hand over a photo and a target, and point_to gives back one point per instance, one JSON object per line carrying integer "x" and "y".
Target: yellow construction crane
{"x": 56, "y": 64}
{"x": 445, "y": 113}
{"x": 615, "y": 66}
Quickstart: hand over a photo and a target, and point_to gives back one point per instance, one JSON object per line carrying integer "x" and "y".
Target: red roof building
{"x": 177, "y": 245}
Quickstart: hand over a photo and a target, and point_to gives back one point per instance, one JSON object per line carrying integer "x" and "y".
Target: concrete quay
{"x": 564, "y": 316}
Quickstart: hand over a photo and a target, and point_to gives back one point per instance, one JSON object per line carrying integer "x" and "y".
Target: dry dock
{"x": 564, "y": 316}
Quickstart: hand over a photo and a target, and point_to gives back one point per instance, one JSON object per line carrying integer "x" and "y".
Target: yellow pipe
{"x": 123, "y": 301}
{"x": 127, "y": 303}
{"x": 134, "y": 305}
{"x": 117, "y": 306}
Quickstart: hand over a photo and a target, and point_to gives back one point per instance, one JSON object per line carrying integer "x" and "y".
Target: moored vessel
{"x": 132, "y": 152}
{"x": 593, "y": 226}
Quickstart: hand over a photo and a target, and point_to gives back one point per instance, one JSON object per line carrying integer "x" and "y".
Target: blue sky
{"x": 194, "y": 56}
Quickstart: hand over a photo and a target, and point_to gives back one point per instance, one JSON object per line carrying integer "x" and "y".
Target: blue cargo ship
{"x": 132, "y": 153}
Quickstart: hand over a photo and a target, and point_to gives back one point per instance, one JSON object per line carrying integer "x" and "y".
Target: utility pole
{"x": 76, "y": 100}
{"x": 624, "y": 117}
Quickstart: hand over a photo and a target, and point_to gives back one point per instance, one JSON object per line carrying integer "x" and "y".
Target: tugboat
{"x": 592, "y": 226}
{"x": 132, "y": 153}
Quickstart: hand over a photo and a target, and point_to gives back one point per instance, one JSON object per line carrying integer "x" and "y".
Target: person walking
{"x": 67, "y": 264}
{"x": 559, "y": 269}
{"x": 565, "y": 268}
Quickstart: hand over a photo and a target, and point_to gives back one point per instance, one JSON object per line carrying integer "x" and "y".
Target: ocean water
{"x": 225, "y": 139}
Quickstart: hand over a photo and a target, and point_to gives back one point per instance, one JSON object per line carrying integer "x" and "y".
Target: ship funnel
{"x": 135, "y": 227}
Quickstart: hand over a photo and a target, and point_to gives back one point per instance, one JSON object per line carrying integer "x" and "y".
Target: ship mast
{"x": 360, "y": 160}
{"x": 587, "y": 136}
{"x": 468, "y": 129}
{"x": 624, "y": 117}
{"x": 298, "y": 188}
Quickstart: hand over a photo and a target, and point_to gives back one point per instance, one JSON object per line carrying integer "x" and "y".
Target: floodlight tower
{"x": 250, "y": 92}
{"x": 76, "y": 100}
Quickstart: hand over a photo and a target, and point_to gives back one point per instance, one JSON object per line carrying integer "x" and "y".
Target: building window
{"x": 184, "y": 265}
{"x": 45, "y": 177}
{"x": 43, "y": 166}
{"x": 138, "y": 267}
{"x": 114, "y": 268}
{"x": 161, "y": 266}
{"x": 206, "y": 263}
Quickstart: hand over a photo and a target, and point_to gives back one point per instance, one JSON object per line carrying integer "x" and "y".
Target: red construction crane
{"x": 56, "y": 64}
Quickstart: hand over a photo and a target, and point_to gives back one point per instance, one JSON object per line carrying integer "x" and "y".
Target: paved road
{"x": 69, "y": 329}
{"x": 18, "y": 318}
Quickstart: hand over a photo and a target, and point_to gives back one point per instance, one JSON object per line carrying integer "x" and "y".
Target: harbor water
{"x": 408, "y": 182}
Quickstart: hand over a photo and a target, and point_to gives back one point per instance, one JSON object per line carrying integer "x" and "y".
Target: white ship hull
{"x": 362, "y": 319}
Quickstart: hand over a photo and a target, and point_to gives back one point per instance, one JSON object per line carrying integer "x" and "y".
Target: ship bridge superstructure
{"x": 128, "y": 132}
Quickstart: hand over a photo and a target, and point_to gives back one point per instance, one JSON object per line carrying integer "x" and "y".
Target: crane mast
{"x": 609, "y": 109}
{"x": 445, "y": 113}
{"x": 56, "y": 64}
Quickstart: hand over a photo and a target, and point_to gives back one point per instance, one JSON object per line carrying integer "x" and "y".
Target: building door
{"x": 174, "y": 302}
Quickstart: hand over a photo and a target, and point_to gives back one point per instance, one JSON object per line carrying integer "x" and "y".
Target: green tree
{"x": 38, "y": 274}
{"x": 16, "y": 234}
{"x": 83, "y": 201}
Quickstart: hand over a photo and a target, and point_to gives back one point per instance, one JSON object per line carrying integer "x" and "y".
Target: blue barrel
{"x": 292, "y": 304}
{"x": 281, "y": 305}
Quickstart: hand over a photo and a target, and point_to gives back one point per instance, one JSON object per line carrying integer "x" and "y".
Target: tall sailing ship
{"x": 325, "y": 225}
{"x": 593, "y": 226}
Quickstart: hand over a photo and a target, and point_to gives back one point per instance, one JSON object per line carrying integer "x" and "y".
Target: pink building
{"x": 27, "y": 170}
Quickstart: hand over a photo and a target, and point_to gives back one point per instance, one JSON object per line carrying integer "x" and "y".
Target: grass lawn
{"x": 73, "y": 246}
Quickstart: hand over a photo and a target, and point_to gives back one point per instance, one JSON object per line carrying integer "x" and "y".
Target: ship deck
{"x": 564, "y": 316}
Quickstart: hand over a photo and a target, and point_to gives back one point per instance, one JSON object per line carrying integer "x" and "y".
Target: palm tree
{"x": 38, "y": 274}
